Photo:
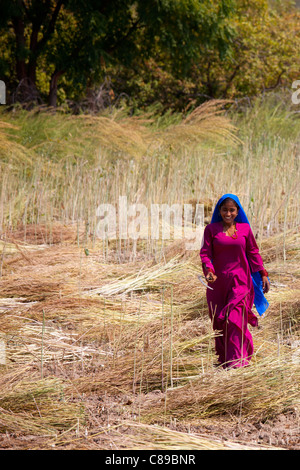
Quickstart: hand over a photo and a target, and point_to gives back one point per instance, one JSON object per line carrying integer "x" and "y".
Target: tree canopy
{"x": 169, "y": 51}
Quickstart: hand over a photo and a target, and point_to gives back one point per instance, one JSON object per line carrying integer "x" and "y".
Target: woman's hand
{"x": 211, "y": 277}
{"x": 266, "y": 284}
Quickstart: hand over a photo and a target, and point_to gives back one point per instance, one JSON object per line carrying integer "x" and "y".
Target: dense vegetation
{"x": 90, "y": 55}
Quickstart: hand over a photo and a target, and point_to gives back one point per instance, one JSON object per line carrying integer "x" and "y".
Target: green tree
{"x": 78, "y": 39}
{"x": 265, "y": 52}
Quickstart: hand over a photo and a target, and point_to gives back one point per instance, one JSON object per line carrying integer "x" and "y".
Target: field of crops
{"x": 107, "y": 344}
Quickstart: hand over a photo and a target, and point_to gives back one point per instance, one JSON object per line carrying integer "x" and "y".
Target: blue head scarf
{"x": 260, "y": 302}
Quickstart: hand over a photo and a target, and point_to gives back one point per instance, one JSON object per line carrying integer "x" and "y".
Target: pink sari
{"x": 231, "y": 300}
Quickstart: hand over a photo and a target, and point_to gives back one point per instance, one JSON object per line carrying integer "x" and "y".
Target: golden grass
{"x": 137, "y": 137}
{"x": 35, "y": 406}
{"x": 113, "y": 155}
{"x": 132, "y": 137}
{"x": 207, "y": 123}
{"x": 10, "y": 150}
{"x": 255, "y": 393}
{"x": 142, "y": 436}
{"x": 86, "y": 321}
{"x": 146, "y": 333}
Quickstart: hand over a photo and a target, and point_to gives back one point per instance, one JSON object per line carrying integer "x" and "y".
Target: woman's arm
{"x": 265, "y": 280}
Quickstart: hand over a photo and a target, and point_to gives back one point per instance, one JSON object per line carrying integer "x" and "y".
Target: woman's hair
{"x": 229, "y": 199}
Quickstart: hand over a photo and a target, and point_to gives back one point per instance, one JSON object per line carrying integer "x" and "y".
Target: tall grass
{"x": 79, "y": 162}
{"x": 83, "y": 326}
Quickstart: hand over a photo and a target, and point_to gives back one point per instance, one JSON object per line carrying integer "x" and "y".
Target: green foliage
{"x": 80, "y": 39}
{"x": 261, "y": 54}
{"x": 174, "y": 52}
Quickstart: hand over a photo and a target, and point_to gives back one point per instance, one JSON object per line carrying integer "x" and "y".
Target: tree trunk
{"x": 18, "y": 25}
{"x": 53, "y": 87}
{"x": 32, "y": 64}
{"x": 27, "y": 58}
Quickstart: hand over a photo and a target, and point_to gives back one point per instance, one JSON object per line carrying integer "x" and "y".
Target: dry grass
{"x": 145, "y": 343}
{"x": 138, "y": 136}
{"x": 137, "y": 436}
{"x": 207, "y": 123}
{"x": 10, "y": 151}
{"x": 255, "y": 393}
{"x": 35, "y": 406}
{"x": 196, "y": 159}
{"x": 108, "y": 344}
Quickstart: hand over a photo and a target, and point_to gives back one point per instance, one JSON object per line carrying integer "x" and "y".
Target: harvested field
{"x": 104, "y": 355}
{"x": 107, "y": 344}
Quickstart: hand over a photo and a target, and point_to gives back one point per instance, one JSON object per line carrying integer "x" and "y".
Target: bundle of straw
{"x": 254, "y": 392}
{"x": 38, "y": 407}
{"x": 151, "y": 278}
{"x": 149, "y": 437}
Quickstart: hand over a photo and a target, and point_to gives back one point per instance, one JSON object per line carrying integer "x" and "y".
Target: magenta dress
{"x": 231, "y": 300}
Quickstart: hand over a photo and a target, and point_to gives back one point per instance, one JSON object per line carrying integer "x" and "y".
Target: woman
{"x": 234, "y": 270}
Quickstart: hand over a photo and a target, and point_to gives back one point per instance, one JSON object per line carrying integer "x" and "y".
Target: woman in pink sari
{"x": 231, "y": 260}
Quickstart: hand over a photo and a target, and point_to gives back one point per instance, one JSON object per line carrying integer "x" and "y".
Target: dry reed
{"x": 254, "y": 392}
{"x": 36, "y": 407}
{"x": 121, "y": 318}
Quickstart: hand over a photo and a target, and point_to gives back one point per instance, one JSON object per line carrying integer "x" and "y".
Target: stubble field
{"x": 108, "y": 344}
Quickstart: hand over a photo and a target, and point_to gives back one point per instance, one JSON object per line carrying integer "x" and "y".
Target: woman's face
{"x": 228, "y": 212}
